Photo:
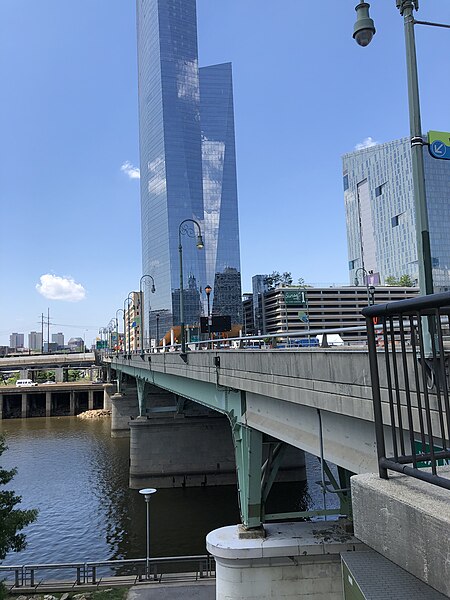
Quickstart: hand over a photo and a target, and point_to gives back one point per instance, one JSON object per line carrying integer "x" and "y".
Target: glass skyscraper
{"x": 380, "y": 215}
{"x": 188, "y": 169}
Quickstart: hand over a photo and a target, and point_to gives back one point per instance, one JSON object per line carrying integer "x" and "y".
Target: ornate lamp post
{"x": 366, "y": 280}
{"x": 208, "y": 290}
{"x": 200, "y": 245}
{"x": 363, "y": 33}
{"x": 117, "y": 328}
{"x": 141, "y": 301}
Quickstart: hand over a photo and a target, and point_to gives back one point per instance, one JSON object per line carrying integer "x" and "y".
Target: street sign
{"x": 439, "y": 144}
{"x": 295, "y": 296}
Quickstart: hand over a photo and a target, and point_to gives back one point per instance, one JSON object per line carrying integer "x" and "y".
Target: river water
{"x": 76, "y": 475}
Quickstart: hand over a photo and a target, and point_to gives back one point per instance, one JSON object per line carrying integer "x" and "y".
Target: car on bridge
{"x": 25, "y": 383}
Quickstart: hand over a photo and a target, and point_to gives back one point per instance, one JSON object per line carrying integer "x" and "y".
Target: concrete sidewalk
{"x": 173, "y": 591}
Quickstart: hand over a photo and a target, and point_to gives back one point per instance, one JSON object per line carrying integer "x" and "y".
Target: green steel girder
{"x": 232, "y": 403}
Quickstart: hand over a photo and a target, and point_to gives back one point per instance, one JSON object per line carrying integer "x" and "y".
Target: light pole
{"x": 117, "y": 327}
{"x": 363, "y": 33}
{"x": 366, "y": 280}
{"x": 141, "y": 301}
{"x": 200, "y": 245}
{"x": 147, "y": 493}
{"x": 208, "y": 290}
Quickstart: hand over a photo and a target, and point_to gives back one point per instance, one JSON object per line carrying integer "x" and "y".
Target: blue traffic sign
{"x": 439, "y": 144}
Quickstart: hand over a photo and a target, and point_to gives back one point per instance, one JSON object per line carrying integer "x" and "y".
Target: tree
{"x": 12, "y": 520}
{"x": 275, "y": 279}
{"x": 403, "y": 281}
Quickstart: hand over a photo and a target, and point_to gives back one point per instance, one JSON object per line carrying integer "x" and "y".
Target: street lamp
{"x": 147, "y": 493}
{"x": 366, "y": 280}
{"x": 208, "y": 290}
{"x": 141, "y": 301}
{"x": 117, "y": 327}
{"x": 200, "y": 245}
{"x": 364, "y": 31}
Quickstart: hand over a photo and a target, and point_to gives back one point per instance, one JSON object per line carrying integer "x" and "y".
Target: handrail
{"x": 410, "y": 375}
{"x": 86, "y": 573}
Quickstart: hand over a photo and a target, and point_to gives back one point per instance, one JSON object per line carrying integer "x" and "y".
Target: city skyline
{"x": 69, "y": 146}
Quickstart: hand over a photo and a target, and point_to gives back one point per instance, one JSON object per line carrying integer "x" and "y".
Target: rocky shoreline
{"x": 95, "y": 414}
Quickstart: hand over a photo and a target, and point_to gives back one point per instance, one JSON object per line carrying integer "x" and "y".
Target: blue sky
{"x": 304, "y": 94}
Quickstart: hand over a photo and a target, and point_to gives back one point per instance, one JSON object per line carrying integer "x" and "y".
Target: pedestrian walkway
{"x": 174, "y": 591}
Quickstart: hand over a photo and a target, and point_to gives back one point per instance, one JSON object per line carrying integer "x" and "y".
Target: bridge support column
{"x": 294, "y": 560}
{"x": 48, "y": 404}
{"x": 124, "y": 408}
{"x": 248, "y": 452}
{"x": 24, "y": 374}
{"x": 59, "y": 375}
{"x": 108, "y": 390}
{"x": 72, "y": 403}
{"x": 1, "y": 406}
{"x": 90, "y": 399}
{"x": 24, "y": 405}
{"x": 173, "y": 451}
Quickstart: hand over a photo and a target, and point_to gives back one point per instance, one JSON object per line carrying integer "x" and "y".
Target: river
{"x": 76, "y": 475}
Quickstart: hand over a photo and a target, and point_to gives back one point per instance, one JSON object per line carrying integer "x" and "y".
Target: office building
{"x": 35, "y": 341}
{"x": 16, "y": 340}
{"x": 188, "y": 170}
{"x": 133, "y": 323}
{"x": 379, "y": 206}
{"x": 58, "y": 339}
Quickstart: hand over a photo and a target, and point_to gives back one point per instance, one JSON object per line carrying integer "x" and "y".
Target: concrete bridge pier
{"x": 1, "y": 406}
{"x": 90, "y": 399}
{"x": 108, "y": 390}
{"x": 24, "y": 374}
{"x": 177, "y": 451}
{"x": 124, "y": 408}
{"x": 24, "y": 405}
{"x": 48, "y": 404}
{"x": 300, "y": 561}
{"x": 59, "y": 375}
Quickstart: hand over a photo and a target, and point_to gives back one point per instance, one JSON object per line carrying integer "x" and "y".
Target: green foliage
{"x": 12, "y": 379}
{"x": 73, "y": 375}
{"x": 43, "y": 376}
{"x": 275, "y": 279}
{"x": 12, "y": 519}
{"x": 403, "y": 281}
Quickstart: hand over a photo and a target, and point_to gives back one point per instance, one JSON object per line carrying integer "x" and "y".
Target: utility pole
{"x": 42, "y": 333}
{"x": 48, "y": 329}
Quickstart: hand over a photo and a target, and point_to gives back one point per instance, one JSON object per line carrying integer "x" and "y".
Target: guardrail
{"x": 309, "y": 338}
{"x": 416, "y": 372}
{"x": 91, "y": 573}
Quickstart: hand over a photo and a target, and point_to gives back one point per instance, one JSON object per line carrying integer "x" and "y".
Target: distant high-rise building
{"x": 16, "y": 340}
{"x": 35, "y": 340}
{"x": 58, "y": 338}
{"x": 379, "y": 205}
{"x": 188, "y": 169}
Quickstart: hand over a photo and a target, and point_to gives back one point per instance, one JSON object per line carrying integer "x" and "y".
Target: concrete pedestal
{"x": 108, "y": 390}
{"x": 124, "y": 408}
{"x": 91, "y": 400}
{"x": 177, "y": 452}
{"x": 407, "y": 521}
{"x": 24, "y": 405}
{"x": 295, "y": 561}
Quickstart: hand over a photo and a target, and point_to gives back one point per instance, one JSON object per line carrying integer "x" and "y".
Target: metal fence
{"x": 73, "y": 575}
{"x": 409, "y": 370}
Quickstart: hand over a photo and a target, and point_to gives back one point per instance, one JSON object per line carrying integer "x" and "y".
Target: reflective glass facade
{"x": 380, "y": 215}
{"x": 188, "y": 169}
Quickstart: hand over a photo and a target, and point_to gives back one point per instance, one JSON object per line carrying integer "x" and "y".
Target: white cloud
{"x": 368, "y": 142}
{"x": 60, "y": 288}
{"x": 130, "y": 170}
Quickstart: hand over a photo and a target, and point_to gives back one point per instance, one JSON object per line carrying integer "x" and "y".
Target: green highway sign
{"x": 439, "y": 144}
{"x": 295, "y": 296}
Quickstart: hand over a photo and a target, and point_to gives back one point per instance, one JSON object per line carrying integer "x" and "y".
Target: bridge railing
{"x": 409, "y": 371}
{"x": 44, "y": 576}
{"x": 304, "y": 338}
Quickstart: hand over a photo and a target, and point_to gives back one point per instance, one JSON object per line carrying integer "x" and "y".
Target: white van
{"x": 25, "y": 383}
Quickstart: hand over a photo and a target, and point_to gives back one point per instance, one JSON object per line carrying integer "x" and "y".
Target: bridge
{"x": 341, "y": 404}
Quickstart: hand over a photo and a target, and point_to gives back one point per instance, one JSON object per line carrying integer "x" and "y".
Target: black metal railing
{"x": 409, "y": 369}
{"x": 110, "y": 572}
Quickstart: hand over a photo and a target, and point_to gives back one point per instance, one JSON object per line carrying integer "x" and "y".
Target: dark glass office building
{"x": 188, "y": 169}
